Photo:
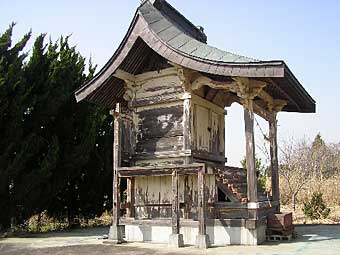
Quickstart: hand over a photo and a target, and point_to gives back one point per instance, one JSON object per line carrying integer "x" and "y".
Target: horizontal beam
{"x": 157, "y": 222}
{"x": 260, "y": 111}
{"x": 203, "y": 80}
{"x": 161, "y": 170}
{"x": 190, "y": 223}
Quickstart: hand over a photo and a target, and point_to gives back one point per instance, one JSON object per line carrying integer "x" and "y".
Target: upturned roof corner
{"x": 159, "y": 33}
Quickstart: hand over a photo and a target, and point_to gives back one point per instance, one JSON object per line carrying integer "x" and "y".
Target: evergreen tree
{"x": 318, "y": 142}
{"x": 13, "y": 93}
{"x": 54, "y": 151}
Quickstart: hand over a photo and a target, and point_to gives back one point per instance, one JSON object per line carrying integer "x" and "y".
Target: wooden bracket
{"x": 203, "y": 80}
{"x": 248, "y": 89}
{"x": 277, "y": 105}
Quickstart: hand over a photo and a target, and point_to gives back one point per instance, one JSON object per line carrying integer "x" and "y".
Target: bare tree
{"x": 296, "y": 166}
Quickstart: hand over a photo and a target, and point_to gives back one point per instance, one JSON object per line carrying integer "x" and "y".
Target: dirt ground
{"x": 312, "y": 239}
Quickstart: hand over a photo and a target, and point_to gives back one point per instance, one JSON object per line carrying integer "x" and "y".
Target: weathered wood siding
{"x": 161, "y": 105}
{"x": 160, "y": 128}
{"x": 158, "y": 119}
{"x": 153, "y": 196}
{"x": 208, "y": 130}
{"x": 128, "y": 140}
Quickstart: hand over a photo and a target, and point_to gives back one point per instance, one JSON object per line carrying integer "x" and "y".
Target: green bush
{"x": 315, "y": 208}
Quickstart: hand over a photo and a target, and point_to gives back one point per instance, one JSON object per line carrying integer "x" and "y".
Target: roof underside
{"x": 160, "y": 34}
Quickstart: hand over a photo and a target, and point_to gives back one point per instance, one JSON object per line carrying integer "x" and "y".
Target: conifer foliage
{"x": 53, "y": 151}
{"x": 316, "y": 208}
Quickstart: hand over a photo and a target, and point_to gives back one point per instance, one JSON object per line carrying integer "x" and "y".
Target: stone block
{"x": 202, "y": 242}
{"x": 176, "y": 240}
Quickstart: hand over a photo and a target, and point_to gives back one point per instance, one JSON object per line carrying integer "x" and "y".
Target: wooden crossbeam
{"x": 161, "y": 170}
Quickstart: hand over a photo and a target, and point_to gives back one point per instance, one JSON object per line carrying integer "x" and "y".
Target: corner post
{"x": 250, "y": 156}
{"x": 274, "y": 165}
{"x": 202, "y": 240}
{"x": 131, "y": 197}
{"x": 175, "y": 239}
{"x": 116, "y": 233}
{"x": 187, "y": 132}
{"x": 187, "y": 198}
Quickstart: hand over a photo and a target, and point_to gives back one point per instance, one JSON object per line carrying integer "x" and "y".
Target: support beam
{"x": 116, "y": 234}
{"x": 202, "y": 240}
{"x": 175, "y": 204}
{"x": 187, "y": 198}
{"x": 175, "y": 239}
{"x": 274, "y": 165}
{"x": 286, "y": 95}
{"x": 187, "y": 133}
{"x": 250, "y": 151}
{"x": 138, "y": 171}
{"x": 203, "y": 80}
{"x": 131, "y": 197}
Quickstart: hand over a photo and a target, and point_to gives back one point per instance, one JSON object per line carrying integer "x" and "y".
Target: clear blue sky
{"x": 306, "y": 34}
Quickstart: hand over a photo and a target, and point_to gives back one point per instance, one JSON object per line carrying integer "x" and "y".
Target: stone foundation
{"x": 219, "y": 234}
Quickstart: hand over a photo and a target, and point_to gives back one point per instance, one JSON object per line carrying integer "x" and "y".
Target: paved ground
{"x": 321, "y": 239}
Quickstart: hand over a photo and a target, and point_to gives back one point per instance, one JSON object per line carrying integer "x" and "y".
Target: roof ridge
{"x": 166, "y": 9}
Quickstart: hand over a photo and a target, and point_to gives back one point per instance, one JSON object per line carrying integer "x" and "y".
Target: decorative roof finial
{"x": 151, "y": 1}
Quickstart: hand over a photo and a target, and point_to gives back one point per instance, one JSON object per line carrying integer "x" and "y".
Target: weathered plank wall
{"x": 153, "y": 196}
{"x": 128, "y": 143}
{"x": 159, "y": 128}
{"x": 208, "y": 130}
{"x": 158, "y": 119}
{"x": 158, "y": 100}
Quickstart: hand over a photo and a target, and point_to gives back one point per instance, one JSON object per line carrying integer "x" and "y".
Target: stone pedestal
{"x": 202, "y": 242}
{"x": 176, "y": 240}
{"x": 116, "y": 234}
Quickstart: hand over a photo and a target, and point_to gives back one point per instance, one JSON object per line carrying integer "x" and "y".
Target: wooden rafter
{"x": 290, "y": 99}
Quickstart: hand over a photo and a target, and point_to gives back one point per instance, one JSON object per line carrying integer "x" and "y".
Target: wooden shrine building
{"x": 168, "y": 91}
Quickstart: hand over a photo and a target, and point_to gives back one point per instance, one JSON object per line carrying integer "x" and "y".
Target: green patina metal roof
{"x": 183, "y": 36}
{"x": 159, "y": 32}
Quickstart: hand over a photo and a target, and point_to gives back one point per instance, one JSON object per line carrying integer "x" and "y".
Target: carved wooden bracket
{"x": 277, "y": 105}
{"x": 248, "y": 89}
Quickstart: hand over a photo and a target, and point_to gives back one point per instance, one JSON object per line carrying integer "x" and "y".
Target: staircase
{"x": 235, "y": 179}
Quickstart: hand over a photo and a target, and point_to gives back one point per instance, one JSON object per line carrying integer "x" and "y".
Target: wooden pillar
{"x": 131, "y": 197}
{"x": 187, "y": 119}
{"x": 201, "y": 204}
{"x": 115, "y": 230}
{"x": 175, "y": 239}
{"x": 175, "y": 205}
{"x": 202, "y": 240}
{"x": 187, "y": 198}
{"x": 274, "y": 165}
{"x": 250, "y": 152}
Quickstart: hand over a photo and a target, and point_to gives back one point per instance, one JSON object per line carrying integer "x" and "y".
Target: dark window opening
{"x": 222, "y": 197}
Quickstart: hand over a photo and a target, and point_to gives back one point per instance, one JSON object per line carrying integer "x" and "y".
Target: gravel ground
{"x": 312, "y": 239}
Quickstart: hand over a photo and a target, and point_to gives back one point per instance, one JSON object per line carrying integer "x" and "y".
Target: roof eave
{"x": 79, "y": 95}
{"x": 308, "y": 99}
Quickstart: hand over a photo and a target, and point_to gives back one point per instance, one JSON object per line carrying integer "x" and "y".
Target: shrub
{"x": 42, "y": 223}
{"x": 315, "y": 208}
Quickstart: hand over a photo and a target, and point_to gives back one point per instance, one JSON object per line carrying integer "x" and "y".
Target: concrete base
{"x": 176, "y": 240}
{"x": 116, "y": 234}
{"x": 202, "y": 242}
{"x": 219, "y": 235}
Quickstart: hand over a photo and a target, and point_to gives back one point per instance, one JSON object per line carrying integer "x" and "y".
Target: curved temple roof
{"x": 169, "y": 34}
